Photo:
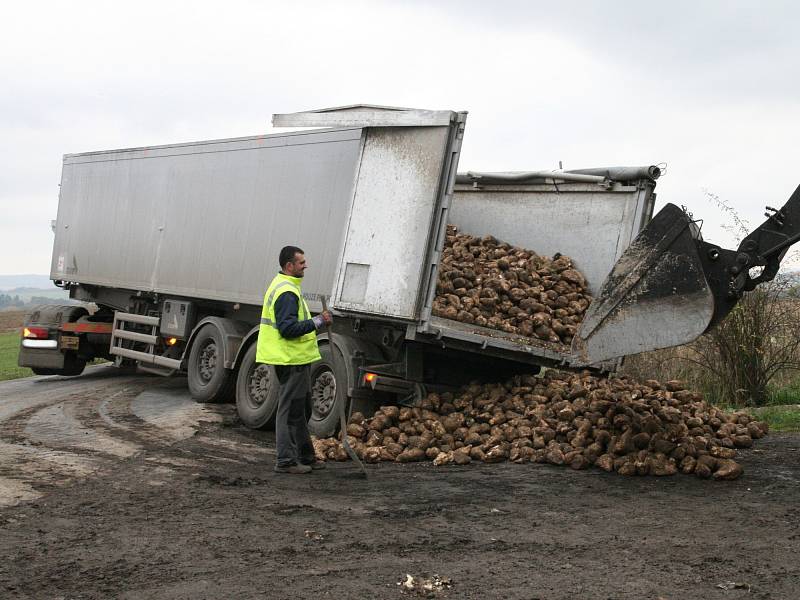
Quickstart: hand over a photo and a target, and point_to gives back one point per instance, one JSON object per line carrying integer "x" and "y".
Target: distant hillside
{"x": 27, "y": 293}
{"x": 18, "y": 292}
{"x": 32, "y": 291}
{"x": 11, "y": 282}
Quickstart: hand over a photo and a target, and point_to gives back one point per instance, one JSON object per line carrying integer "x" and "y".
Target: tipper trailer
{"x": 175, "y": 245}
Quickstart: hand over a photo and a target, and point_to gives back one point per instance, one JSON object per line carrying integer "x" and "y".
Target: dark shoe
{"x": 316, "y": 465}
{"x": 293, "y": 469}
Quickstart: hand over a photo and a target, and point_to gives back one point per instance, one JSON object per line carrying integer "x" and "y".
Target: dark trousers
{"x": 292, "y": 439}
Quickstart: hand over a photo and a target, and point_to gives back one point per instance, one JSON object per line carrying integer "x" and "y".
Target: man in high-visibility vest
{"x": 287, "y": 339}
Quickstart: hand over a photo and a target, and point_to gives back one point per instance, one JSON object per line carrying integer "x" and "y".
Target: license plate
{"x": 70, "y": 342}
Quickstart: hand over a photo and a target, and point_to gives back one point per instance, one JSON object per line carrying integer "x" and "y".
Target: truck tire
{"x": 73, "y": 366}
{"x": 328, "y": 390}
{"x": 209, "y": 380}
{"x": 43, "y": 371}
{"x": 256, "y": 392}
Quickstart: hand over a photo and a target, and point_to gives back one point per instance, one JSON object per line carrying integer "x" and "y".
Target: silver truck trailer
{"x": 175, "y": 245}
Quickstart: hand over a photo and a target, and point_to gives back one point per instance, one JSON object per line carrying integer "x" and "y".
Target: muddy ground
{"x": 118, "y": 486}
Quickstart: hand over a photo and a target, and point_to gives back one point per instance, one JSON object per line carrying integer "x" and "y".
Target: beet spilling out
{"x": 574, "y": 420}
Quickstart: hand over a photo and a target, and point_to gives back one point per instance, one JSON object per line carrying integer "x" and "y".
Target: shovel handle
{"x": 342, "y": 419}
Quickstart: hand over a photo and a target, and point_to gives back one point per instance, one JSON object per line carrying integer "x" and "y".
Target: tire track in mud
{"x": 42, "y": 443}
{"x": 54, "y": 431}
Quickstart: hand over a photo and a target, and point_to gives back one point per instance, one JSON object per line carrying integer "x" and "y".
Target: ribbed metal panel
{"x": 208, "y": 219}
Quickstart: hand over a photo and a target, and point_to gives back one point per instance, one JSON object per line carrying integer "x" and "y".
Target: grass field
{"x": 784, "y": 417}
{"x": 9, "y": 349}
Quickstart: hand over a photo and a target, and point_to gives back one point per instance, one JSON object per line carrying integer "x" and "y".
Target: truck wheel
{"x": 256, "y": 392}
{"x": 72, "y": 366}
{"x": 42, "y": 371}
{"x": 328, "y": 391}
{"x": 209, "y": 380}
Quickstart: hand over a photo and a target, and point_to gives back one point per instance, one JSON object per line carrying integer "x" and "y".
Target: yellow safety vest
{"x": 272, "y": 348}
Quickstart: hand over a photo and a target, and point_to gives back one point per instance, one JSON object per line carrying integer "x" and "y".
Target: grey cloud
{"x": 718, "y": 47}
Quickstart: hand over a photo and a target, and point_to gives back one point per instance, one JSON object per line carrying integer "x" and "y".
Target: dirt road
{"x": 120, "y": 486}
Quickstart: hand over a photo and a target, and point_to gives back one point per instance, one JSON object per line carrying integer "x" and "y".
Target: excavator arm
{"x": 670, "y": 286}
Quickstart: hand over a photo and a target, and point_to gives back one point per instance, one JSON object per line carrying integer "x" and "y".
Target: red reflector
{"x": 370, "y": 377}
{"x": 87, "y": 327}
{"x": 35, "y": 333}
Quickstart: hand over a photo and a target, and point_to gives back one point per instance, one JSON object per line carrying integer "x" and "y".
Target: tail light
{"x": 35, "y": 333}
{"x": 37, "y": 337}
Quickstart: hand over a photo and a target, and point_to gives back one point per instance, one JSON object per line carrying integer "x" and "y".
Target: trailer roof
{"x": 366, "y": 115}
{"x": 348, "y": 117}
{"x": 196, "y": 144}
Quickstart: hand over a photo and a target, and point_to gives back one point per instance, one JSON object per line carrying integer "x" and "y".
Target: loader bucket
{"x": 656, "y": 295}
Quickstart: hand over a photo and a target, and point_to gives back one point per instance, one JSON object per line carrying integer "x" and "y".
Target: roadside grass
{"x": 782, "y": 410}
{"x": 783, "y": 418}
{"x": 9, "y": 350}
{"x": 787, "y": 394}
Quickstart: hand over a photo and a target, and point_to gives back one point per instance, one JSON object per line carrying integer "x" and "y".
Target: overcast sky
{"x": 710, "y": 88}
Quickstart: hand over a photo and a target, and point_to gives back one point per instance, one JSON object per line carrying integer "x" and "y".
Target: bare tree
{"x": 756, "y": 342}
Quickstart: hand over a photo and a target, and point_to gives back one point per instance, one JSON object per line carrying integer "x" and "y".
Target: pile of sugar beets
{"x": 575, "y": 420}
{"x": 492, "y": 284}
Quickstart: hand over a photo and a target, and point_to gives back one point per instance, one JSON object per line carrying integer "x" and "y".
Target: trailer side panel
{"x": 206, "y": 220}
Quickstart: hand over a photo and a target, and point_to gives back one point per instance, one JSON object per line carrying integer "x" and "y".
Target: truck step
{"x": 120, "y": 333}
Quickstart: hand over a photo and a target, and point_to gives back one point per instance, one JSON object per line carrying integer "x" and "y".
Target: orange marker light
{"x": 370, "y": 377}
{"x": 172, "y": 341}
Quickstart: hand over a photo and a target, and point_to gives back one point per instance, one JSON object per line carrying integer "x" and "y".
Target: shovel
{"x": 342, "y": 418}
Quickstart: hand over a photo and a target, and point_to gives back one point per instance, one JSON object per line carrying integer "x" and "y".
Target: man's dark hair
{"x": 287, "y": 254}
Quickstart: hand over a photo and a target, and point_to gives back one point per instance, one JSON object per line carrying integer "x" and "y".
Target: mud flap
{"x": 656, "y": 296}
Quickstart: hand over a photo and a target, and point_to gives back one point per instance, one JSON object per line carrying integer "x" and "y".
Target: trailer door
{"x": 403, "y": 183}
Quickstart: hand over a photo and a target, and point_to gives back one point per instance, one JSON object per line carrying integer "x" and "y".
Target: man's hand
{"x": 323, "y": 319}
